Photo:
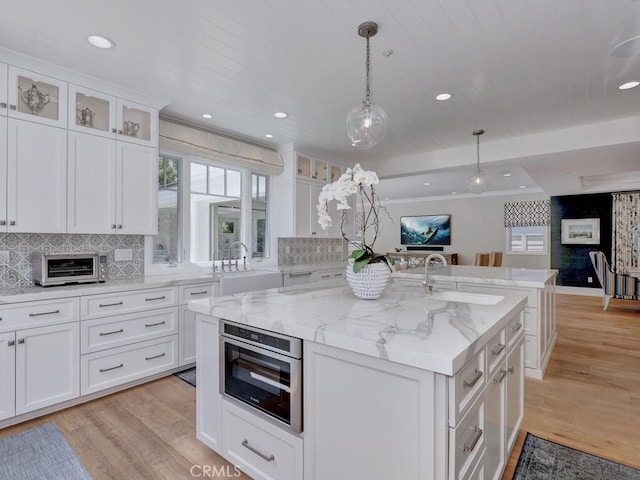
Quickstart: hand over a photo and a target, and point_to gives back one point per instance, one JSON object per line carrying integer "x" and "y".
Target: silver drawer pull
{"x": 101, "y": 305}
{"x": 268, "y": 458}
{"x": 44, "y": 313}
{"x": 103, "y": 334}
{"x": 503, "y": 373}
{"x": 154, "y": 324}
{"x": 302, "y": 274}
{"x": 473, "y": 382}
{"x": 516, "y": 327}
{"x": 11, "y": 343}
{"x": 154, "y": 298}
{"x": 498, "y": 350}
{"x": 155, "y": 356}
{"x": 12, "y": 107}
{"x": 3, "y": 105}
{"x": 20, "y": 341}
{"x": 474, "y": 442}
{"x": 325, "y": 276}
{"x": 199, "y": 293}
{"x": 337, "y": 274}
{"x": 511, "y": 370}
{"x": 102, "y": 370}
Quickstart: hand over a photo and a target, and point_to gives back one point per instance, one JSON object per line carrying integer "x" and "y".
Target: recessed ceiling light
{"x": 101, "y": 42}
{"x": 443, "y": 96}
{"x": 628, "y": 48}
{"x": 207, "y": 116}
{"x": 454, "y": 193}
{"x": 426, "y": 184}
{"x": 268, "y": 135}
{"x": 523, "y": 186}
{"x": 281, "y": 115}
{"x": 628, "y": 85}
{"x": 507, "y": 174}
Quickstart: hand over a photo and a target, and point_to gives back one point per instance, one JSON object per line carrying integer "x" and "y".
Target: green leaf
{"x": 359, "y": 264}
{"x": 358, "y": 254}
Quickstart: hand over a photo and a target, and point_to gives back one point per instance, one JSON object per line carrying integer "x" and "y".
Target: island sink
{"x": 466, "y": 297}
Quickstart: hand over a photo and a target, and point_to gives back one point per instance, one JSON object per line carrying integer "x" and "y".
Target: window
{"x": 527, "y": 239}
{"x": 167, "y": 245}
{"x": 200, "y": 209}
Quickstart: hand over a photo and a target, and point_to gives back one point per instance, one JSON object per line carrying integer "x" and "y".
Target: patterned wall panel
{"x": 21, "y": 246}
{"x": 307, "y": 251}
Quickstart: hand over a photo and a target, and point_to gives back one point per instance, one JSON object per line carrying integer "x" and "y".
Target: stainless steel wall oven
{"x": 262, "y": 369}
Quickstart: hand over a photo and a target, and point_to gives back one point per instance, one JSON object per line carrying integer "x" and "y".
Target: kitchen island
{"x": 409, "y": 386}
{"x": 537, "y": 284}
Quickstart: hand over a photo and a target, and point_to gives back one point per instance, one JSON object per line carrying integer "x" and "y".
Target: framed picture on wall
{"x": 581, "y": 230}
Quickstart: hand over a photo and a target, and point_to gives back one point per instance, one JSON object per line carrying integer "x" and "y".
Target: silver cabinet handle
{"x": 301, "y": 274}
{"x": 11, "y": 343}
{"x": 102, "y": 370}
{"x": 473, "y": 381}
{"x": 196, "y": 293}
{"x": 155, "y": 356}
{"x": 53, "y": 312}
{"x": 12, "y": 222}
{"x": 503, "y": 373}
{"x": 516, "y": 327}
{"x": 120, "y": 132}
{"x": 3, "y": 105}
{"x": 113, "y": 130}
{"x": 268, "y": 458}
{"x": 104, "y": 334}
{"x": 154, "y": 298}
{"x": 101, "y": 305}
{"x": 511, "y": 370}
{"x": 498, "y": 350}
{"x": 12, "y": 107}
{"x": 113, "y": 225}
{"x": 474, "y": 442}
{"x": 119, "y": 226}
{"x": 325, "y": 276}
{"x": 20, "y": 341}
{"x": 3, "y": 222}
{"x": 154, "y": 324}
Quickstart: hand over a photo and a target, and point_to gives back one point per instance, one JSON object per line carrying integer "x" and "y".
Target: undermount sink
{"x": 247, "y": 281}
{"x": 467, "y": 297}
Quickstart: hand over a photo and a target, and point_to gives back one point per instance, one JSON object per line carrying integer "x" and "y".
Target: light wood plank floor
{"x": 589, "y": 400}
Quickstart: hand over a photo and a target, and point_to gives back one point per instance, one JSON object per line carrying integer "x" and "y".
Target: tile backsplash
{"x": 304, "y": 251}
{"x": 22, "y": 245}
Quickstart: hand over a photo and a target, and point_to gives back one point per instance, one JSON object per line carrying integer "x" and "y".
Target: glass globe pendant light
{"x": 366, "y": 125}
{"x": 478, "y": 182}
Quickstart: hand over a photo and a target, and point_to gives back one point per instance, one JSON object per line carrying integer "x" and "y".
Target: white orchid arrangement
{"x": 355, "y": 181}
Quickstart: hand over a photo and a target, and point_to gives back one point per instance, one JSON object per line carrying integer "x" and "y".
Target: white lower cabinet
{"x": 187, "y": 338}
{"x": 495, "y": 425}
{"x": 208, "y": 398}
{"x": 7, "y": 375}
{"x": 260, "y": 449}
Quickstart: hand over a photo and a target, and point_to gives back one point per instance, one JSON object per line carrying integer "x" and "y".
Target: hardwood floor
{"x": 589, "y": 400}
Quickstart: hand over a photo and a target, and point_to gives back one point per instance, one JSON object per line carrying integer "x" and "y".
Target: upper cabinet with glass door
{"x": 92, "y": 112}
{"x": 4, "y": 101}
{"x": 137, "y": 123}
{"x": 37, "y": 98}
{"x": 316, "y": 170}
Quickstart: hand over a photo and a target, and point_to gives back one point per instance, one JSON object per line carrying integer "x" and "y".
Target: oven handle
{"x": 253, "y": 348}
{"x": 268, "y": 381}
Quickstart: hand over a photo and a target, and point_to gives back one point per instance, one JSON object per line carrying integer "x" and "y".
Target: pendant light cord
{"x": 367, "y": 98}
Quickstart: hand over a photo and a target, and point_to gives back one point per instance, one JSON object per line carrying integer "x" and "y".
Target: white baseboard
{"x": 587, "y": 292}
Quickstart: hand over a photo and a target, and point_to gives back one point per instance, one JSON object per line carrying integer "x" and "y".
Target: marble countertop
{"x": 404, "y": 325}
{"x": 520, "y": 277}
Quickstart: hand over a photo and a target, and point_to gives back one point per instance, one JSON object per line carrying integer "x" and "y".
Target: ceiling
{"x": 538, "y": 76}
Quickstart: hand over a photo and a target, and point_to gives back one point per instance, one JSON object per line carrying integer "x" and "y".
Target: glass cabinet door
{"x": 37, "y": 98}
{"x": 92, "y": 112}
{"x": 137, "y": 123}
{"x": 4, "y": 101}
{"x": 320, "y": 171}
{"x": 336, "y": 173}
{"x": 303, "y": 167}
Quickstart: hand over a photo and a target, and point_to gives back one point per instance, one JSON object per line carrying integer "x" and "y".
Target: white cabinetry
{"x": 39, "y": 349}
{"x": 4, "y": 101}
{"x": 127, "y": 336}
{"x": 33, "y": 187}
{"x": 209, "y": 417}
{"x": 112, "y": 186}
{"x": 187, "y": 348}
{"x": 37, "y": 98}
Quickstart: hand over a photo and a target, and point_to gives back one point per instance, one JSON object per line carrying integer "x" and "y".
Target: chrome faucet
{"x": 428, "y": 283}
{"x": 246, "y": 250}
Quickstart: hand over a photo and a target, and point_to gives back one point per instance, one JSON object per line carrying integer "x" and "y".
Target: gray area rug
{"x": 188, "y": 376}
{"x": 41, "y": 452}
{"x": 545, "y": 460}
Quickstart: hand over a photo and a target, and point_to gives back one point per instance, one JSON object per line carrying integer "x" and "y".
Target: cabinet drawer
{"x": 465, "y": 386}
{"x": 109, "y": 332}
{"x": 96, "y": 306}
{"x": 39, "y": 313}
{"x": 196, "y": 292}
{"x": 467, "y": 441}
{"x": 515, "y": 330}
{"x": 328, "y": 275}
{"x": 120, "y": 365}
{"x": 260, "y": 449}
{"x": 496, "y": 351}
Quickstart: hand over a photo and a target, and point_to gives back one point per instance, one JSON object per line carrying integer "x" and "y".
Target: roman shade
{"x": 189, "y": 140}
{"x": 535, "y": 213}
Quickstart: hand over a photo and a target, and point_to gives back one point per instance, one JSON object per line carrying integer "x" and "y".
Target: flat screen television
{"x": 425, "y": 230}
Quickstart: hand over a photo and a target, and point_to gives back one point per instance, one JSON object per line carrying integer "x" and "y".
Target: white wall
{"x": 477, "y": 225}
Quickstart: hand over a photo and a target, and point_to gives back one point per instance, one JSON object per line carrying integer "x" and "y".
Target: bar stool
{"x": 495, "y": 259}
{"x": 481, "y": 260}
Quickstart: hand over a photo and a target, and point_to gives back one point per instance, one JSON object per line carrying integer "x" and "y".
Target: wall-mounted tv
{"x": 425, "y": 230}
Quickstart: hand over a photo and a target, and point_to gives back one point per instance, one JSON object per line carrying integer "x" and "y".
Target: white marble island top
{"x": 404, "y": 325}
{"x": 517, "y": 277}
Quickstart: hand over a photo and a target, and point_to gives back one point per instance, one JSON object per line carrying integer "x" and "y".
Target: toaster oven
{"x": 67, "y": 268}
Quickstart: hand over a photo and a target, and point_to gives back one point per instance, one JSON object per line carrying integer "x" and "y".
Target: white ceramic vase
{"x": 369, "y": 282}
